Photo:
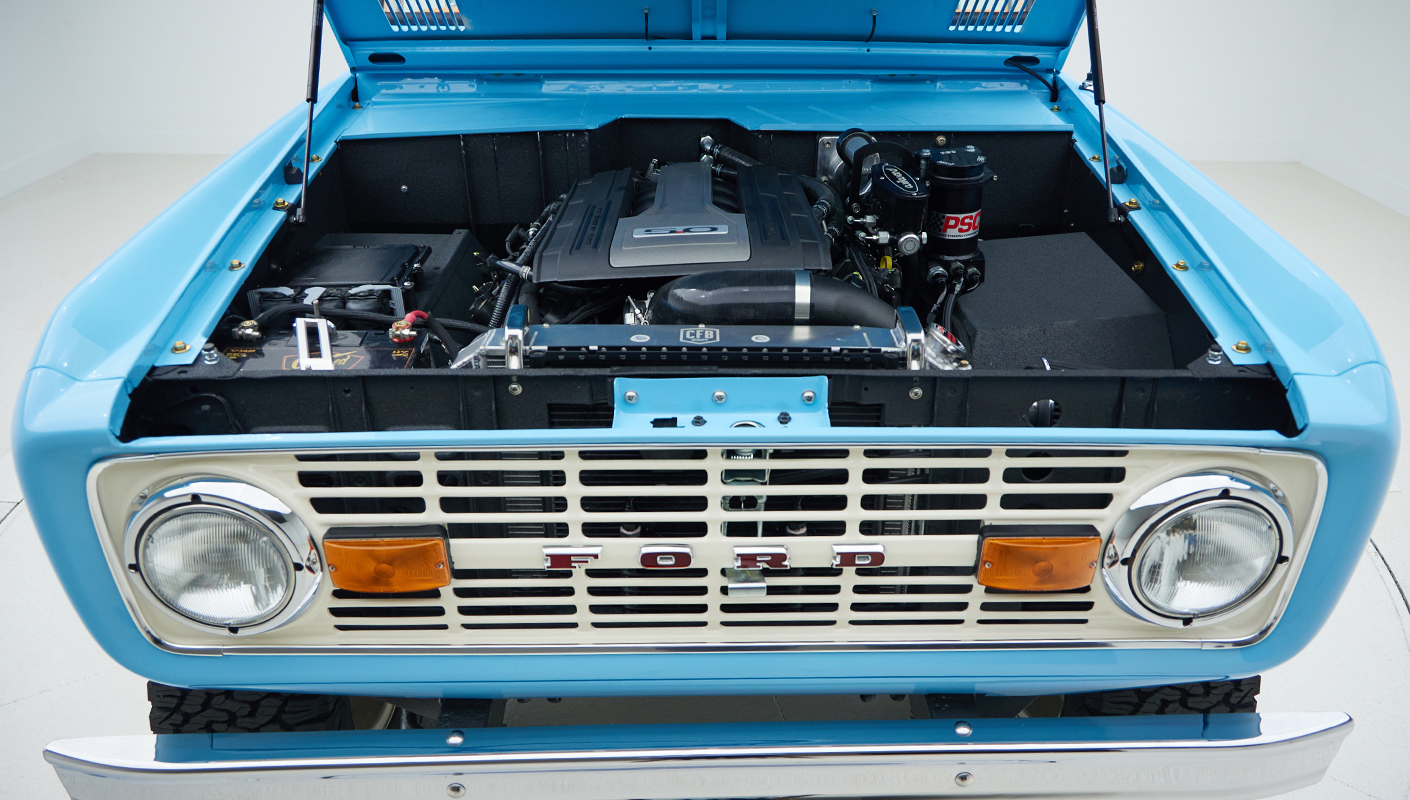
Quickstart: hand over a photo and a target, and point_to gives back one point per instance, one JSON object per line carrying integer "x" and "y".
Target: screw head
{"x": 916, "y": 393}
{"x": 236, "y": 266}
{"x": 180, "y": 347}
{"x": 1180, "y": 265}
{"x": 941, "y": 140}
{"x": 1242, "y": 347}
{"x": 784, "y": 418}
{"x": 719, "y": 396}
{"x": 455, "y": 790}
{"x": 405, "y": 188}
{"x": 1133, "y": 204}
{"x": 315, "y": 157}
{"x": 698, "y": 421}
{"x": 281, "y": 204}
{"x": 455, "y": 737}
{"x": 809, "y": 396}
{"x": 630, "y": 397}
{"x": 515, "y": 388}
{"x": 963, "y": 728}
{"x": 1137, "y": 267}
{"x": 964, "y": 779}
{"x": 1096, "y": 157}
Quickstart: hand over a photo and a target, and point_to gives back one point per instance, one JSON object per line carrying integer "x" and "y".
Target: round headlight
{"x": 222, "y": 555}
{"x": 216, "y": 566}
{"x": 1197, "y": 548}
{"x": 1205, "y": 559}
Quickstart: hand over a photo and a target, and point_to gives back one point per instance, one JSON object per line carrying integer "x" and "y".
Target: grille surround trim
{"x": 1306, "y": 529}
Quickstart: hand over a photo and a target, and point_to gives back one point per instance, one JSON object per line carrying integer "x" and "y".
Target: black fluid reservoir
{"x": 901, "y": 199}
{"x": 957, "y": 178}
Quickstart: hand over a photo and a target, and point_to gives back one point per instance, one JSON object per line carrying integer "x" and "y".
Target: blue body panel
{"x": 172, "y": 281}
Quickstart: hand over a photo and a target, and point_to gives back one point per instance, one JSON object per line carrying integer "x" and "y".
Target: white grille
{"x": 423, "y": 15}
{"x": 1006, "y": 16}
{"x": 923, "y": 504}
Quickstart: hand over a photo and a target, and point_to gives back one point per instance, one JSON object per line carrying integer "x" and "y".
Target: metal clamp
{"x": 912, "y": 336}
{"x": 516, "y": 326}
{"x": 324, "y": 359}
{"x": 745, "y": 583}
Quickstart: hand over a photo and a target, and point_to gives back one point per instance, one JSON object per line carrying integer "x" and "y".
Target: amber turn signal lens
{"x": 387, "y": 565}
{"x": 1039, "y": 563}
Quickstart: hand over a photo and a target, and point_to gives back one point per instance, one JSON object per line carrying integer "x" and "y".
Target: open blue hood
{"x": 828, "y": 35}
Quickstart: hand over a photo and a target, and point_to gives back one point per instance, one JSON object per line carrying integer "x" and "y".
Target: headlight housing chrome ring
{"x": 221, "y": 555}
{"x": 1228, "y": 529}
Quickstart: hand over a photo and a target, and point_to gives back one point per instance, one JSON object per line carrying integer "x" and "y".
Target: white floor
{"x": 55, "y": 682}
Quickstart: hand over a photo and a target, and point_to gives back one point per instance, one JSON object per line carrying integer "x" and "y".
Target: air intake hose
{"x": 766, "y": 297}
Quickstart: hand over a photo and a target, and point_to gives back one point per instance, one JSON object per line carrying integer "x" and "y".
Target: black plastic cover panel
{"x": 1059, "y": 302}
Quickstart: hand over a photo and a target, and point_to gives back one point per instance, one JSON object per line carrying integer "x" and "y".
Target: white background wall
{"x": 146, "y": 76}
{"x": 1321, "y": 82}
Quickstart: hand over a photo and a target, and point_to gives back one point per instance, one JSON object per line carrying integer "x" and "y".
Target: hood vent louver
{"x": 1005, "y": 16}
{"x": 423, "y": 15}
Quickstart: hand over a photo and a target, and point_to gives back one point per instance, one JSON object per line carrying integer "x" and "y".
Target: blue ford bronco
{"x": 705, "y": 349}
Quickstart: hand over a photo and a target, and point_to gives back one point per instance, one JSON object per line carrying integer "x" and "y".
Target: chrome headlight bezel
{"x": 1171, "y": 498}
{"x": 248, "y": 501}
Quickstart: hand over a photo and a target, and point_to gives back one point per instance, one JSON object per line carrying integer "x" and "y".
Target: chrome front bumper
{"x": 1231, "y": 756}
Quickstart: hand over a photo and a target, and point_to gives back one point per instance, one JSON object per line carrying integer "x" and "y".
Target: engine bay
{"x": 684, "y": 247}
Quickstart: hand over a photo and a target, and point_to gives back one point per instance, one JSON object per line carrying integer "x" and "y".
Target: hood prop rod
{"x": 1094, "y": 44}
{"x": 315, "y": 55}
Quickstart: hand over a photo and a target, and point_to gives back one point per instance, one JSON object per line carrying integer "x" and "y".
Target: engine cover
{"x": 685, "y": 221}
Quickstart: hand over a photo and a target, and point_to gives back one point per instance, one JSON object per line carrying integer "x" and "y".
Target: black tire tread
{"x": 1208, "y": 697}
{"x": 176, "y": 710}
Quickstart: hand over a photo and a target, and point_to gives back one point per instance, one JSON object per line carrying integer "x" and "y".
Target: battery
{"x": 352, "y": 350}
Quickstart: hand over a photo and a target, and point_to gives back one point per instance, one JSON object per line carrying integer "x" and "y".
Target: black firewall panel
{"x": 686, "y": 227}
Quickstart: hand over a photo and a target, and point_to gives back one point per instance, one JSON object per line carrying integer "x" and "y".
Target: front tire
{"x": 177, "y": 710}
{"x": 1208, "y": 697}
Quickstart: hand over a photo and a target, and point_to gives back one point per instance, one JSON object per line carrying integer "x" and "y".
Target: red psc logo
{"x": 960, "y": 226}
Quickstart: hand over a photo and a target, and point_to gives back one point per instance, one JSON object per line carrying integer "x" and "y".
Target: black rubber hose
{"x": 724, "y": 171}
{"x": 268, "y": 315}
{"x": 766, "y": 297}
{"x": 507, "y": 292}
{"x": 731, "y": 156}
{"x": 817, "y": 190}
{"x": 439, "y": 329}
{"x": 939, "y": 301}
{"x": 949, "y": 307}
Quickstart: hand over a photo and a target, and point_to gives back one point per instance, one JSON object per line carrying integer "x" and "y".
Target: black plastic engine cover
{"x": 783, "y": 234}
{"x": 1060, "y": 298}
